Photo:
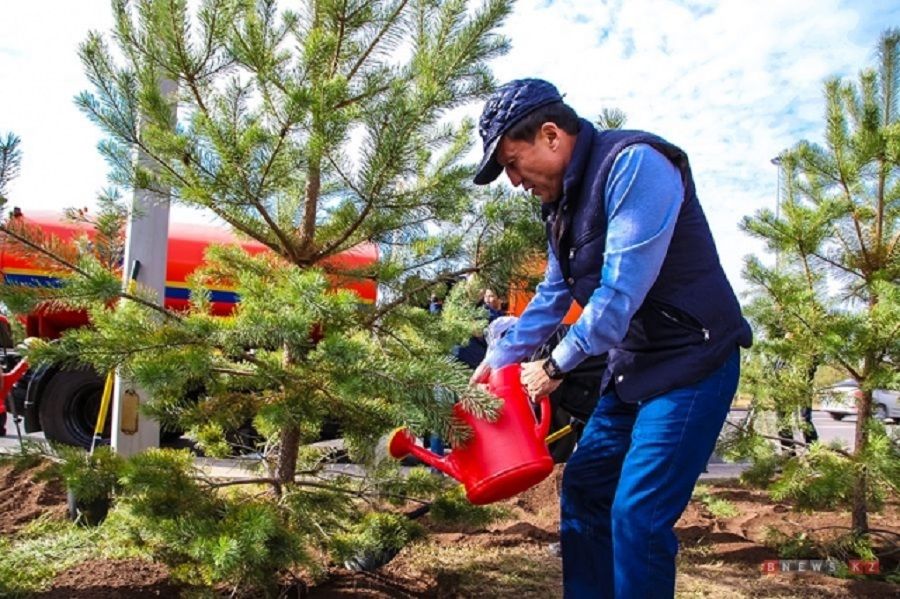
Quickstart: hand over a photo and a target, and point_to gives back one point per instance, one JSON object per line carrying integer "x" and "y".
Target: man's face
{"x": 491, "y": 300}
{"x": 539, "y": 165}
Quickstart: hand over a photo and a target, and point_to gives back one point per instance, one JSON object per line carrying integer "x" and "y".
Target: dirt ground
{"x": 720, "y": 556}
{"x": 22, "y": 498}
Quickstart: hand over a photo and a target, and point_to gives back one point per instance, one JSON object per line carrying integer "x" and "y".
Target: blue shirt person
{"x": 628, "y": 241}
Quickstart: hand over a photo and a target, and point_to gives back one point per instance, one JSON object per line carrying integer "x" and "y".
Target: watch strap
{"x": 552, "y": 369}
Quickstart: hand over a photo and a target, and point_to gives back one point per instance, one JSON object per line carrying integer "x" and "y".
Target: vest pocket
{"x": 682, "y": 319}
{"x": 659, "y": 326}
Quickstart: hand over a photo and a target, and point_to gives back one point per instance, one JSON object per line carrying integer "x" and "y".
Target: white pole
{"x": 146, "y": 243}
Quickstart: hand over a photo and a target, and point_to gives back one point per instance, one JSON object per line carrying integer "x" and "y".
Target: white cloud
{"x": 731, "y": 82}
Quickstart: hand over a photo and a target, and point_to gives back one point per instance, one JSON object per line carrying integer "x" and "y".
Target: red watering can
{"x": 501, "y": 458}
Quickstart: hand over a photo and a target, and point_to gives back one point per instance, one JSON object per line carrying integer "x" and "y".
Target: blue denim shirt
{"x": 643, "y": 198}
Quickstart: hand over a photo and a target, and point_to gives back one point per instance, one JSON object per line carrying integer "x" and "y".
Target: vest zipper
{"x": 685, "y": 325}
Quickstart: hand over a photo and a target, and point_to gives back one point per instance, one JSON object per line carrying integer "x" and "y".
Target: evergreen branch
{"x": 807, "y": 270}
{"x": 224, "y": 215}
{"x": 857, "y": 226}
{"x": 129, "y": 133}
{"x": 232, "y": 371}
{"x": 788, "y": 310}
{"x": 125, "y": 354}
{"x": 340, "y": 40}
{"x": 180, "y": 49}
{"x": 313, "y": 190}
{"x": 43, "y": 251}
{"x": 416, "y": 290}
{"x": 154, "y": 59}
{"x": 360, "y": 97}
{"x": 365, "y": 495}
{"x": 360, "y": 219}
{"x": 282, "y": 237}
{"x": 242, "y": 481}
{"x": 396, "y": 338}
{"x": 160, "y": 309}
{"x": 377, "y": 39}
{"x": 849, "y": 368}
{"x": 837, "y": 265}
{"x": 785, "y": 440}
{"x": 892, "y": 245}
{"x": 76, "y": 269}
{"x": 10, "y": 160}
{"x": 210, "y": 46}
{"x": 282, "y": 135}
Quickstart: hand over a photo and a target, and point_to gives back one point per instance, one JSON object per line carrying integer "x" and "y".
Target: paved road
{"x": 829, "y": 430}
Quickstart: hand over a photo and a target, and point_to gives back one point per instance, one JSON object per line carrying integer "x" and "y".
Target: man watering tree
{"x": 629, "y": 242}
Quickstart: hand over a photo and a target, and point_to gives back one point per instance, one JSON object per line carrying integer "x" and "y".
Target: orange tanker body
{"x": 63, "y": 402}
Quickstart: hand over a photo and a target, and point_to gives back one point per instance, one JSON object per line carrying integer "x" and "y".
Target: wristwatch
{"x": 552, "y": 369}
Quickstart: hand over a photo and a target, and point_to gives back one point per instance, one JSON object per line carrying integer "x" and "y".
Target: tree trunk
{"x": 287, "y": 454}
{"x": 860, "y": 512}
{"x": 286, "y": 468}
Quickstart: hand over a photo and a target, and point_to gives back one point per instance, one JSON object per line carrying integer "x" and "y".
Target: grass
{"x": 42, "y": 550}
{"x": 473, "y": 570}
{"x": 33, "y": 557}
{"x": 718, "y": 507}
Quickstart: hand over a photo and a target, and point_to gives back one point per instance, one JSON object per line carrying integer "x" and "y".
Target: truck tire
{"x": 69, "y": 407}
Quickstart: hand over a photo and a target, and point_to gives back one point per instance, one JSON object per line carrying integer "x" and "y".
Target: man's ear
{"x": 550, "y": 133}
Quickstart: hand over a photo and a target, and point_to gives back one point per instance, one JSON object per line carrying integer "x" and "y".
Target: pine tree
{"x": 10, "y": 161}
{"x": 833, "y": 295}
{"x": 310, "y": 131}
{"x": 611, "y": 118}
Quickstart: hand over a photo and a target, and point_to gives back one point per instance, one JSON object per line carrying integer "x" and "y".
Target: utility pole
{"x": 146, "y": 245}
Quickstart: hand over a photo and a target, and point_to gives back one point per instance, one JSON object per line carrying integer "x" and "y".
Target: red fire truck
{"x": 64, "y": 402}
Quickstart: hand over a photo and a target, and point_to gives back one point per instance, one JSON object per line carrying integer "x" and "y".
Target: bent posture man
{"x": 629, "y": 242}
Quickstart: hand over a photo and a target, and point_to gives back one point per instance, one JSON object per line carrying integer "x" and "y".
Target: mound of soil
{"x": 24, "y": 497}
{"x": 373, "y": 585}
{"x": 112, "y": 579}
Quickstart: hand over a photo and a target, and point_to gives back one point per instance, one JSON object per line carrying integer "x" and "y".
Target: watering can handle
{"x": 543, "y": 427}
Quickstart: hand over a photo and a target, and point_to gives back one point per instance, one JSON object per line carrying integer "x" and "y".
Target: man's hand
{"x": 536, "y": 381}
{"x": 481, "y": 374}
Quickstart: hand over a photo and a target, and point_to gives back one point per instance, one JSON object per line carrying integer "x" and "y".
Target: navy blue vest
{"x": 690, "y": 322}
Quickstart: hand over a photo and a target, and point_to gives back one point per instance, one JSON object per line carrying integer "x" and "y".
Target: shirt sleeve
{"x": 543, "y": 314}
{"x": 644, "y": 194}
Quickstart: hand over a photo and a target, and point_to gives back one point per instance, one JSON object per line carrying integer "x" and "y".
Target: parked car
{"x": 839, "y": 400}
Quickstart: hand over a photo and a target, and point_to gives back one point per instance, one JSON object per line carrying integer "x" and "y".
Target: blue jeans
{"x": 628, "y": 483}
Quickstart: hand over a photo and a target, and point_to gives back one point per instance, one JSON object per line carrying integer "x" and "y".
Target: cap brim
{"x": 489, "y": 169}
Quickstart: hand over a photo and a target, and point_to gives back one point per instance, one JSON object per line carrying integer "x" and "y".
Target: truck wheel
{"x": 69, "y": 407}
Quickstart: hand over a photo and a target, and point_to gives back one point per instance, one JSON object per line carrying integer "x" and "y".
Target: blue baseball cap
{"x": 507, "y": 106}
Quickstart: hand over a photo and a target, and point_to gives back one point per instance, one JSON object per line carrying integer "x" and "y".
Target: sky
{"x": 731, "y": 82}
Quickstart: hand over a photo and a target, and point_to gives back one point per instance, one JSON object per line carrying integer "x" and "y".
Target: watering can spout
{"x": 402, "y": 444}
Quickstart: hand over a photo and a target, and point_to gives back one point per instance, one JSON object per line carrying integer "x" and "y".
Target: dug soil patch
{"x": 720, "y": 556}
{"x": 112, "y": 579}
{"x": 24, "y": 497}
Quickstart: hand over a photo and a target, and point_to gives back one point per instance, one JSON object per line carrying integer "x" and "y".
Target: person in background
{"x": 472, "y": 353}
{"x": 435, "y": 304}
